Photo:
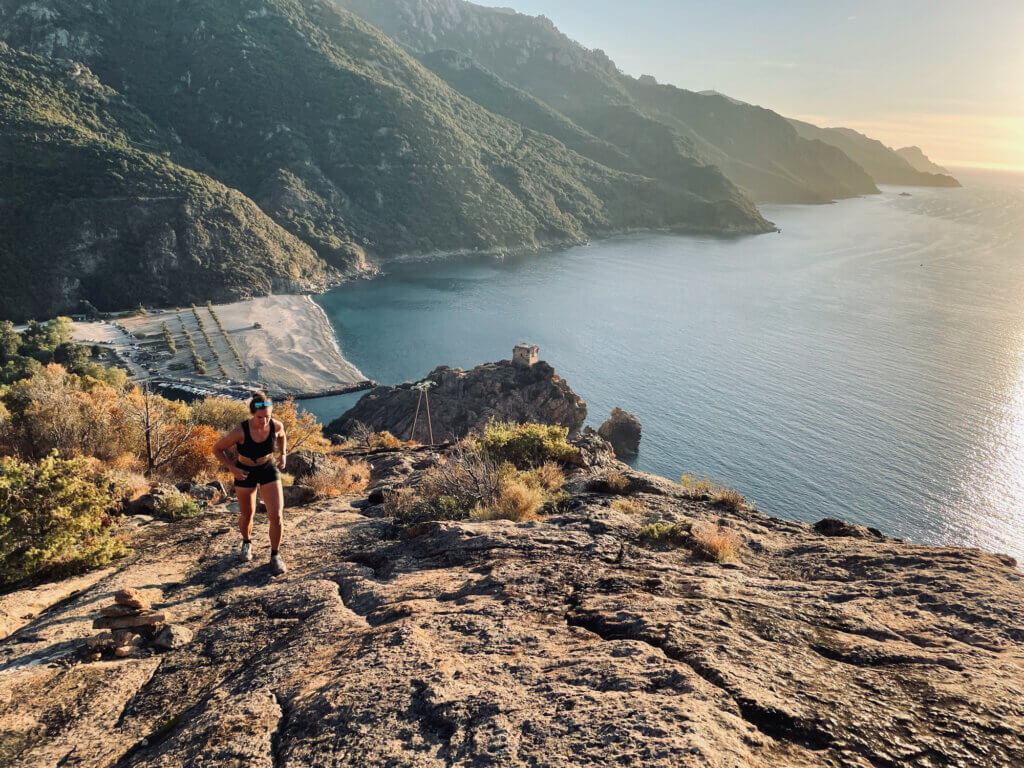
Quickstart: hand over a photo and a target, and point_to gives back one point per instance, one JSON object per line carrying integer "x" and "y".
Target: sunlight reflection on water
{"x": 867, "y": 363}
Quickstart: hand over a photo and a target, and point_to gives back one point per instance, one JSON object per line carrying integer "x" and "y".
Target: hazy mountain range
{"x": 167, "y": 152}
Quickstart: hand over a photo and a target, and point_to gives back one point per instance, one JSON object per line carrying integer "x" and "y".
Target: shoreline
{"x": 283, "y": 344}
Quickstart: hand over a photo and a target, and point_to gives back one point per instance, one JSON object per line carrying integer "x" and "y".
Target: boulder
{"x": 173, "y": 636}
{"x": 593, "y": 450}
{"x": 115, "y": 611}
{"x": 830, "y": 526}
{"x": 205, "y": 493}
{"x": 622, "y": 430}
{"x": 302, "y": 463}
{"x": 184, "y": 486}
{"x": 218, "y": 486}
{"x": 297, "y": 495}
{"x": 143, "y": 505}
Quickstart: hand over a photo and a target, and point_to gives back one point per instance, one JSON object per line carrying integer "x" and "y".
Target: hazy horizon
{"x": 922, "y": 73}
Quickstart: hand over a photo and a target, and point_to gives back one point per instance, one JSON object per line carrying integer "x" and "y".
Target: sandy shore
{"x": 295, "y": 349}
{"x": 285, "y": 342}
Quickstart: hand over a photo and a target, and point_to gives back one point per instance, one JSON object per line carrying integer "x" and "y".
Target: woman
{"x": 256, "y": 439}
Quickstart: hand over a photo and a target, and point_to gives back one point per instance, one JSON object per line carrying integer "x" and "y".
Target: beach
{"x": 284, "y": 344}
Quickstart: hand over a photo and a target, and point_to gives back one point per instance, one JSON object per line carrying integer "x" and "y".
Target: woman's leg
{"x": 273, "y": 497}
{"x": 246, "y": 507}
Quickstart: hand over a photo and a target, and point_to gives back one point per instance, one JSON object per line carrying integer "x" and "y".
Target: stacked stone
{"x": 130, "y": 617}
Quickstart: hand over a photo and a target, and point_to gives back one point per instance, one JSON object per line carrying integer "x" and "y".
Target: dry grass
{"x": 548, "y": 476}
{"x": 337, "y": 476}
{"x": 697, "y": 486}
{"x": 629, "y": 506}
{"x": 715, "y": 543}
{"x": 616, "y": 482}
{"x": 385, "y": 439}
{"x": 516, "y": 501}
{"x": 402, "y": 501}
{"x": 127, "y": 462}
{"x": 727, "y": 498}
{"x": 705, "y": 489}
{"x": 128, "y": 485}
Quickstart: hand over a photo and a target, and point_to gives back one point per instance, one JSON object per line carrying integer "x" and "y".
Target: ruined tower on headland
{"x": 525, "y": 354}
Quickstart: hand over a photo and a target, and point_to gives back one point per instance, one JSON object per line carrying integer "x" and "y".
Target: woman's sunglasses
{"x": 256, "y": 406}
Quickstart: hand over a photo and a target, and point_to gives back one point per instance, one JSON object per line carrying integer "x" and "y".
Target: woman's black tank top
{"x": 253, "y": 450}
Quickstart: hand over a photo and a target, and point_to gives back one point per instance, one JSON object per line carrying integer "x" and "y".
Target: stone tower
{"x": 525, "y": 354}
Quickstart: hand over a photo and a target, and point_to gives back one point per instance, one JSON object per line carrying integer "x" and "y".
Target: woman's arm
{"x": 220, "y": 450}
{"x": 282, "y": 445}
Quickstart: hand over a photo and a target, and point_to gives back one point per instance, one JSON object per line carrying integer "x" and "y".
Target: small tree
{"x": 10, "y": 341}
{"x": 163, "y": 427}
{"x": 301, "y": 427}
{"x": 169, "y": 339}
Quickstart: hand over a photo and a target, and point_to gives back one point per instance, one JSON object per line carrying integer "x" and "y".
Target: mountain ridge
{"x": 884, "y": 164}
{"x": 662, "y": 134}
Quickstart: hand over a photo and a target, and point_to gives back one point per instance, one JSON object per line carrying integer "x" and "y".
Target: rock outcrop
{"x": 464, "y": 400}
{"x": 622, "y": 429}
{"x": 573, "y": 640}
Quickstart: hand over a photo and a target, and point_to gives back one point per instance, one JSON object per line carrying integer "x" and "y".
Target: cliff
{"x": 461, "y": 401}
{"x": 572, "y": 640}
{"x": 885, "y": 165}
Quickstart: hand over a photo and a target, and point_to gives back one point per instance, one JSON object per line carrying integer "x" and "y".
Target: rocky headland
{"x": 584, "y": 638}
{"x": 460, "y": 401}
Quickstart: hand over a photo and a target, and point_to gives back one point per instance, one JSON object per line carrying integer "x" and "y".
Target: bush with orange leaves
{"x": 193, "y": 455}
{"x": 301, "y": 427}
{"x": 54, "y": 410}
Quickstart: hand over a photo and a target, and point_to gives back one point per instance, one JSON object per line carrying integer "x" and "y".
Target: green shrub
{"x": 407, "y": 506}
{"x": 54, "y": 519}
{"x": 221, "y": 413}
{"x": 175, "y": 505}
{"x": 670, "y": 533}
{"x": 525, "y": 445}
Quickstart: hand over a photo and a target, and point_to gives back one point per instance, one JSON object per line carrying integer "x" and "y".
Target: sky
{"x": 945, "y": 75}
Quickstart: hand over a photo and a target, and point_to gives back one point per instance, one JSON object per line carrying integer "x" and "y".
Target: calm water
{"x": 866, "y": 363}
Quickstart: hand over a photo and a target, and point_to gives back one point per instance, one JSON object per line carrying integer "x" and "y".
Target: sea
{"x": 865, "y": 363}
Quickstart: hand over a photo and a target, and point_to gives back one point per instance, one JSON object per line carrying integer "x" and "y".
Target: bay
{"x": 865, "y": 363}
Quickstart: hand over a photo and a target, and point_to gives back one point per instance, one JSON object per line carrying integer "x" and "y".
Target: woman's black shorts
{"x": 261, "y": 475}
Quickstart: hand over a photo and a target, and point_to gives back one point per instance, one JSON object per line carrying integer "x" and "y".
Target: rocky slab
{"x": 565, "y": 641}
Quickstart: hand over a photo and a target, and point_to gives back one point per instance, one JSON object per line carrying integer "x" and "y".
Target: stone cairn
{"x": 131, "y": 624}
